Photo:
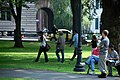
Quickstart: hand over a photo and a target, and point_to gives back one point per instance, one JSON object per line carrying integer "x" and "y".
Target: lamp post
{"x": 79, "y": 67}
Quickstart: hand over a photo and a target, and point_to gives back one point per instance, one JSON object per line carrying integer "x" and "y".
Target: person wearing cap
{"x": 60, "y": 46}
{"x": 42, "y": 48}
{"x": 112, "y": 58}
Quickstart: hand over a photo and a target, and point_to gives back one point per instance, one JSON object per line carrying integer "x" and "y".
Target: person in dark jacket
{"x": 60, "y": 47}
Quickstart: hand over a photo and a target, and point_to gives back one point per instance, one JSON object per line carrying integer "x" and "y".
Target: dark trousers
{"x": 58, "y": 56}
{"x": 75, "y": 53}
{"x": 42, "y": 49}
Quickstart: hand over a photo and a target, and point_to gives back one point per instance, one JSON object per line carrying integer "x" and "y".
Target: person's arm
{"x": 116, "y": 57}
{"x": 72, "y": 41}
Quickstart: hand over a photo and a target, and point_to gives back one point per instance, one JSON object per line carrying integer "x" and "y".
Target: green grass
{"x": 24, "y": 57}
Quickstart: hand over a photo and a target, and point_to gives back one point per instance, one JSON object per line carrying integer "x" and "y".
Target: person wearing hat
{"x": 60, "y": 46}
{"x": 42, "y": 48}
{"x": 112, "y": 57}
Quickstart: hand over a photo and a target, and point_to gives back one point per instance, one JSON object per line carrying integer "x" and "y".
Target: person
{"x": 75, "y": 42}
{"x": 42, "y": 48}
{"x": 104, "y": 44}
{"x": 112, "y": 58}
{"x": 60, "y": 46}
{"x": 94, "y": 41}
{"x": 117, "y": 65}
{"x": 93, "y": 59}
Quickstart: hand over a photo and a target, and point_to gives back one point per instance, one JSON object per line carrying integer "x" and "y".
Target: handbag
{"x": 47, "y": 47}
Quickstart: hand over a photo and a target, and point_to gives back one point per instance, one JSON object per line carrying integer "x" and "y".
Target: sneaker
{"x": 71, "y": 59}
{"x": 110, "y": 75}
{"x": 92, "y": 73}
{"x": 103, "y": 75}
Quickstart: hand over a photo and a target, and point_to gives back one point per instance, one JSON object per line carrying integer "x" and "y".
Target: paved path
{"x": 47, "y": 75}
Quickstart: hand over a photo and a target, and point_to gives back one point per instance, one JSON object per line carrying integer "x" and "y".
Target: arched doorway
{"x": 45, "y": 19}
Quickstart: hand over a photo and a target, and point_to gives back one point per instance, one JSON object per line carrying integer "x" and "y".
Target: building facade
{"x": 95, "y": 25}
{"x": 33, "y": 19}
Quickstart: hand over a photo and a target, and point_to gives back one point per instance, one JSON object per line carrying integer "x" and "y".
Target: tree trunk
{"x": 17, "y": 17}
{"x": 110, "y": 20}
{"x": 18, "y": 40}
{"x": 74, "y": 7}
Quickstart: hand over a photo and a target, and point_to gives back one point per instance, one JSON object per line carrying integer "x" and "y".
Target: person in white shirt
{"x": 42, "y": 40}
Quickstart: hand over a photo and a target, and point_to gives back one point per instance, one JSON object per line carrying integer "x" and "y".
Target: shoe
{"x": 110, "y": 75}
{"x": 62, "y": 61}
{"x": 92, "y": 73}
{"x": 71, "y": 59}
{"x": 103, "y": 75}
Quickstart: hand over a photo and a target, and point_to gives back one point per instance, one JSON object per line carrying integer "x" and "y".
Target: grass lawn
{"x": 24, "y": 57}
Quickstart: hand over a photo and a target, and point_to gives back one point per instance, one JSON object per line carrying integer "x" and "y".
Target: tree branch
{"x": 12, "y": 9}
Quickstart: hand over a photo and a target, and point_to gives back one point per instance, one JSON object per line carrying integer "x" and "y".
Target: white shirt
{"x": 43, "y": 43}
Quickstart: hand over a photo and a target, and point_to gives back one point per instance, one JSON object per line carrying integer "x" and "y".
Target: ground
{"x": 23, "y": 58}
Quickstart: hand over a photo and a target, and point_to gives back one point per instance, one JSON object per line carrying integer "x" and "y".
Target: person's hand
{"x": 110, "y": 58}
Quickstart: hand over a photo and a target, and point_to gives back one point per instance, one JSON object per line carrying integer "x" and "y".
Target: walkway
{"x": 47, "y": 75}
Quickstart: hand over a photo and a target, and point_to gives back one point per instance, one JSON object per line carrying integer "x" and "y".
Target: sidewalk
{"x": 47, "y": 75}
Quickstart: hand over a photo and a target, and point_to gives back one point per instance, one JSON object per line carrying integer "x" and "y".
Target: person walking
{"x": 60, "y": 47}
{"x": 75, "y": 42}
{"x": 42, "y": 48}
{"x": 104, "y": 44}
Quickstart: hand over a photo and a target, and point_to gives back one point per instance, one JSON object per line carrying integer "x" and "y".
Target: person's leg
{"x": 118, "y": 69}
{"x": 74, "y": 55}
{"x": 109, "y": 64}
{"x": 46, "y": 56}
{"x": 102, "y": 66}
{"x": 39, "y": 53}
{"x": 57, "y": 54}
{"x": 62, "y": 52}
{"x": 92, "y": 64}
{"x": 89, "y": 60}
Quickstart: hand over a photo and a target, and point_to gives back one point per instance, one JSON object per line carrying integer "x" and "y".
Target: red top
{"x": 96, "y": 52}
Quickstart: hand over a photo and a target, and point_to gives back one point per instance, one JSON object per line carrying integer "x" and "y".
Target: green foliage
{"x": 63, "y": 14}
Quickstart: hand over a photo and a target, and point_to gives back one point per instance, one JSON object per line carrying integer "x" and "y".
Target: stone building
{"x": 35, "y": 18}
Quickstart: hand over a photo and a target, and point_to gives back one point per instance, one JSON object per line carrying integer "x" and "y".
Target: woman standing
{"x": 42, "y": 39}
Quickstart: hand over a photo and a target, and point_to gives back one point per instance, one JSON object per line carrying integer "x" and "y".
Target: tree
{"x": 16, "y": 9}
{"x": 85, "y": 11}
{"x": 17, "y": 17}
{"x": 110, "y": 19}
{"x": 62, "y": 14}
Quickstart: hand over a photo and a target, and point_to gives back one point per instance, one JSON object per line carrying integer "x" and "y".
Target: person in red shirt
{"x": 93, "y": 59}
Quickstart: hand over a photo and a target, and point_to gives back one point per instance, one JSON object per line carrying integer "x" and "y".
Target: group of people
{"x": 103, "y": 54}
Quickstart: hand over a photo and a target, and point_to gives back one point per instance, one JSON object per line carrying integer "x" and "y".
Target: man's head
{"x": 60, "y": 33}
{"x": 111, "y": 47}
{"x": 75, "y": 31}
{"x": 105, "y": 33}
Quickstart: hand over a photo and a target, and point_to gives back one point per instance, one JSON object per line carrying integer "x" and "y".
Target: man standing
{"x": 103, "y": 54}
{"x": 60, "y": 46}
{"x": 75, "y": 42}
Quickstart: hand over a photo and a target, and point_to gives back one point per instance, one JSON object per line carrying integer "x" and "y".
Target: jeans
{"x": 91, "y": 61}
{"x": 58, "y": 56}
{"x": 42, "y": 49}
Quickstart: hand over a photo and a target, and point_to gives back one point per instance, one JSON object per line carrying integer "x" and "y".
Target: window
{"x": 96, "y": 23}
{"x": 5, "y": 14}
